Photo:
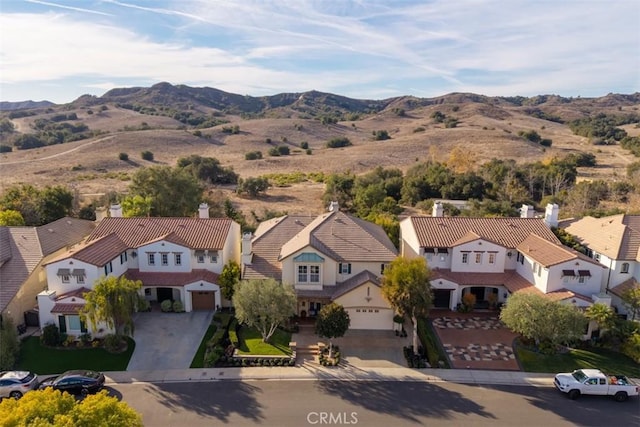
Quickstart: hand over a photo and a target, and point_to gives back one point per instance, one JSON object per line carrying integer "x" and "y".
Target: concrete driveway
{"x": 167, "y": 340}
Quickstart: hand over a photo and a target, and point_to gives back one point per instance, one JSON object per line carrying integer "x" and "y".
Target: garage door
{"x": 370, "y": 318}
{"x": 442, "y": 298}
{"x": 203, "y": 300}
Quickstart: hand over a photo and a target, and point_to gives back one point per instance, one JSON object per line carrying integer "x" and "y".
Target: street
{"x": 366, "y": 403}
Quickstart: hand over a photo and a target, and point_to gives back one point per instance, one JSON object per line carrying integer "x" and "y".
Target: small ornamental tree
{"x": 602, "y": 315}
{"x": 264, "y": 304}
{"x": 332, "y": 322}
{"x": 228, "y": 279}
{"x": 631, "y": 300}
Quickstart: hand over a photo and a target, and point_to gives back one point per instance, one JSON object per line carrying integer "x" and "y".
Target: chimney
{"x": 203, "y": 210}
{"x": 551, "y": 215}
{"x": 247, "y": 248}
{"x": 526, "y": 211}
{"x": 334, "y": 207}
{"x": 438, "y": 210}
{"x": 101, "y": 213}
{"x": 115, "y": 211}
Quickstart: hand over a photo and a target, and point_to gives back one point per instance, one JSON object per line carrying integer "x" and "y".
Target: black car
{"x": 76, "y": 382}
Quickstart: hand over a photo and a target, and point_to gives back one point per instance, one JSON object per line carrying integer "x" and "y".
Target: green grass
{"x": 251, "y": 343}
{"x": 429, "y": 340}
{"x": 198, "y": 359}
{"x": 43, "y": 360}
{"x": 606, "y": 360}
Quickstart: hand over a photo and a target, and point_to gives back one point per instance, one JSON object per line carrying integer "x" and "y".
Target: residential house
{"x": 333, "y": 257}
{"x": 495, "y": 257}
{"x": 177, "y": 259}
{"x": 23, "y": 251}
{"x": 614, "y": 242}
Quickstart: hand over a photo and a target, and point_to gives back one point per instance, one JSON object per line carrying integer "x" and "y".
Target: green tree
{"x": 543, "y": 320}
{"x": 113, "y": 301}
{"x": 173, "y": 192}
{"x": 332, "y": 322}
{"x": 208, "y": 169}
{"x": 136, "y": 206}
{"x": 252, "y": 186}
{"x": 631, "y": 300}
{"x": 10, "y": 217}
{"x": 264, "y": 304}
{"x": 601, "y": 314}
{"x": 339, "y": 188}
{"x": 405, "y": 285}
{"x": 38, "y": 206}
{"x": 228, "y": 279}
{"x": 9, "y": 345}
{"x": 147, "y": 155}
{"x": 54, "y": 408}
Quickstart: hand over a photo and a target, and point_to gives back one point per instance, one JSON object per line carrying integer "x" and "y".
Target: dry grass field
{"x": 92, "y": 167}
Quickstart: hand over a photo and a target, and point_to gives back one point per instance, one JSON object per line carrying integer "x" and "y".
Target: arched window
{"x": 625, "y": 267}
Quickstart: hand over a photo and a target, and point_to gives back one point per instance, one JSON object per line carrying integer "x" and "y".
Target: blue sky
{"x": 60, "y": 49}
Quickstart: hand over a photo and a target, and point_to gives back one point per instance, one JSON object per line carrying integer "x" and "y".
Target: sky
{"x": 59, "y": 50}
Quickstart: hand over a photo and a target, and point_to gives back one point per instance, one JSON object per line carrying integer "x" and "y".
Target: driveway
{"x": 167, "y": 340}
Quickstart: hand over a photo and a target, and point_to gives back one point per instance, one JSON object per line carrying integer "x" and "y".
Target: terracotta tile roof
{"x": 493, "y": 279}
{"x": 22, "y": 249}
{"x": 563, "y": 294}
{"x": 197, "y": 233}
{"x": 548, "y": 254}
{"x": 624, "y": 286}
{"x": 97, "y": 252}
{"x": 171, "y": 279}
{"x": 67, "y": 308}
{"x": 517, "y": 283}
{"x": 77, "y": 293}
{"x": 616, "y": 236}
{"x": 507, "y": 232}
{"x": 355, "y": 281}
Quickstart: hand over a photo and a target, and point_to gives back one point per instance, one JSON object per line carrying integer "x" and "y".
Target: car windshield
{"x": 91, "y": 374}
{"x": 579, "y": 376}
{"x": 28, "y": 378}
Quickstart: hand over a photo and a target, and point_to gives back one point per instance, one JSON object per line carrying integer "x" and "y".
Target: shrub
{"x": 450, "y": 122}
{"x": 5, "y": 148}
{"x": 253, "y": 155}
{"x": 339, "y": 142}
{"x": 381, "y": 135}
{"x": 304, "y": 145}
{"x": 9, "y": 345}
{"x": 274, "y": 152}
{"x": 112, "y": 343}
{"x": 86, "y": 338}
{"x": 469, "y": 300}
{"x": 283, "y": 150}
{"x": 147, "y": 155}
{"x": 123, "y": 156}
{"x": 50, "y": 335}
{"x": 178, "y": 307}
{"x": 309, "y": 152}
{"x": 69, "y": 340}
{"x": 233, "y": 333}
{"x": 419, "y": 129}
{"x": 166, "y": 305}
{"x": 631, "y": 347}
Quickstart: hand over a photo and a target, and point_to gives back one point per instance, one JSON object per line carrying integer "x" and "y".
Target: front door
{"x": 442, "y": 298}
{"x": 165, "y": 294}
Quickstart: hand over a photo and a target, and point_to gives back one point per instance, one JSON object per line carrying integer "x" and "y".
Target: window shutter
{"x": 62, "y": 322}
{"x": 348, "y": 268}
{"x": 83, "y": 327}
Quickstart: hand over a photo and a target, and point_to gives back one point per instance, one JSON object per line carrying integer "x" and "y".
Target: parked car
{"x": 76, "y": 382}
{"x": 594, "y": 381}
{"x": 16, "y": 383}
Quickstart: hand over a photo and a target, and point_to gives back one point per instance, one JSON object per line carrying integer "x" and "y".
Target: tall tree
{"x": 228, "y": 279}
{"x": 174, "y": 192}
{"x": 264, "y": 304}
{"x": 113, "y": 300}
{"x": 54, "y": 408}
{"x": 332, "y": 322}
{"x": 9, "y": 345}
{"x": 405, "y": 284}
{"x": 136, "y": 206}
{"x": 631, "y": 300}
{"x": 543, "y": 320}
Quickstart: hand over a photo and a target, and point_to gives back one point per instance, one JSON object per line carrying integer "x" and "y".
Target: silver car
{"x": 16, "y": 383}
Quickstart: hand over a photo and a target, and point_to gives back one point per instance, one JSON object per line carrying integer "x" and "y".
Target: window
{"x": 625, "y": 268}
{"x": 152, "y": 259}
{"x": 80, "y": 279}
{"x": 492, "y": 258}
{"x": 344, "y": 268}
{"x": 465, "y": 258}
{"x": 177, "y": 259}
{"x": 314, "y": 276}
{"x": 213, "y": 257}
{"x": 164, "y": 259}
{"x": 520, "y": 258}
{"x": 200, "y": 258}
{"x": 596, "y": 256}
{"x": 302, "y": 273}
{"x": 123, "y": 258}
{"x": 75, "y": 324}
{"x": 478, "y": 257}
{"x": 108, "y": 268}
{"x": 65, "y": 278}
{"x": 581, "y": 279}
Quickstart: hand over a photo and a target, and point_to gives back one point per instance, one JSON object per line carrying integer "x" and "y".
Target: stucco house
{"x": 499, "y": 256}
{"x": 332, "y": 257}
{"x": 174, "y": 258}
{"x": 23, "y": 251}
{"x": 614, "y": 242}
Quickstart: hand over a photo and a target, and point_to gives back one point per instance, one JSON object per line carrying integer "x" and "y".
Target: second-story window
{"x": 492, "y": 258}
{"x": 123, "y": 258}
{"x": 625, "y": 268}
{"x": 213, "y": 257}
{"x": 478, "y": 257}
{"x": 108, "y": 268}
{"x": 302, "y": 273}
{"x": 465, "y": 258}
{"x": 65, "y": 278}
{"x": 152, "y": 259}
{"x": 344, "y": 268}
{"x": 80, "y": 279}
{"x": 164, "y": 259}
{"x": 177, "y": 258}
{"x": 314, "y": 273}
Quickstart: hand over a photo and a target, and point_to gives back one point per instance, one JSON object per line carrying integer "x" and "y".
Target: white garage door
{"x": 370, "y": 318}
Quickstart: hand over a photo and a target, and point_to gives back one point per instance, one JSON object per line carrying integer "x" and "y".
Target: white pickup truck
{"x": 594, "y": 381}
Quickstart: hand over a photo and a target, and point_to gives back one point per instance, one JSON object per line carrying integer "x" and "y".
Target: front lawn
{"x": 606, "y": 360}
{"x": 198, "y": 359}
{"x": 250, "y": 342}
{"x": 44, "y": 360}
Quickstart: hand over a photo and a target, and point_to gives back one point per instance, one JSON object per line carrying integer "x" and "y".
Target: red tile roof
{"x": 548, "y": 253}
{"x": 624, "y": 286}
{"x": 171, "y": 279}
{"x": 616, "y": 236}
{"x": 67, "y": 308}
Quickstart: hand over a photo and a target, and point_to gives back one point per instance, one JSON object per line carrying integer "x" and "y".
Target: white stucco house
{"x": 333, "y": 257}
{"x": 614, "y": 242}
{"x": 500, "y": 256}
{"x": 174, "y": 258}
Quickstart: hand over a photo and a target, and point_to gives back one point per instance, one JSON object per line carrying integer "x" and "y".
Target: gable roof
{"x": 450, "y": 231}
{"x": 624, "y": 286}
{"x": 23, "y": 248}
{"x": 98, "y": 252}
{"x": 548, "y": 254}
{"x": 616, "y": 236}
{"x": 196, "y": 233}
{"x": 354, "y": 282}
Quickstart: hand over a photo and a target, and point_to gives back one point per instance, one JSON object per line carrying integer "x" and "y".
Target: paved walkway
{"x": 167, "y": 340}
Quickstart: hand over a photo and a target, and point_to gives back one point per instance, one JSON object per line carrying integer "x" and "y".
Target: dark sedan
{"x": 76, "y": 382}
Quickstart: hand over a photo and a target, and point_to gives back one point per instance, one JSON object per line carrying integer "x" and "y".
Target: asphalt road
{"x": 367, "y": 403}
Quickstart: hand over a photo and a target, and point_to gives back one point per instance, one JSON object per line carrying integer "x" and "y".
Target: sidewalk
{"x": 311, "y": 372}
